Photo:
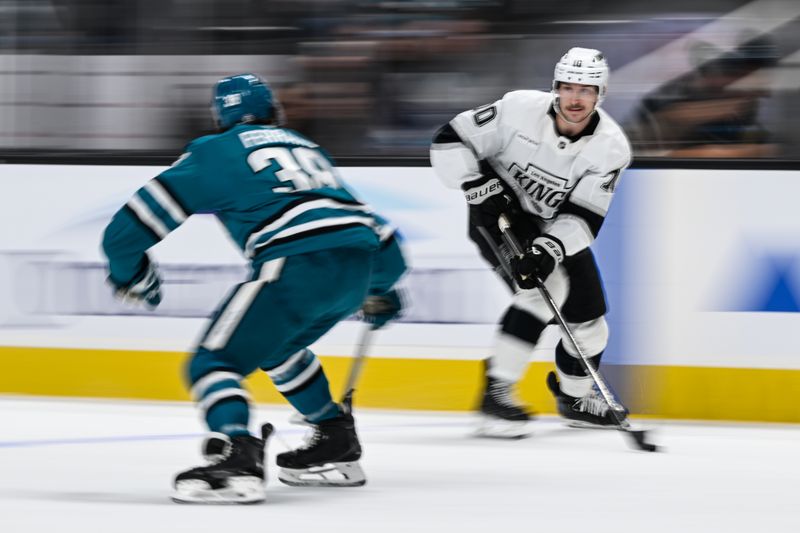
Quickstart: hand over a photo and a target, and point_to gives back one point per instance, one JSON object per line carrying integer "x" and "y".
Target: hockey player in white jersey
{"x": 551, "y": 162}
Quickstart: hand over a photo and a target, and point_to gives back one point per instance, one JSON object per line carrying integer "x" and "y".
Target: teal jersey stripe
{"x": 276, "y": 193}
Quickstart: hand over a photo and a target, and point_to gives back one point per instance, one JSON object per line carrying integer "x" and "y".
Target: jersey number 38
{"x": 300, "y": 168}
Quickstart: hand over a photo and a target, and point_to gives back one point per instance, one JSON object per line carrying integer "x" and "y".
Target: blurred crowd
{"x": 376, "y": 78}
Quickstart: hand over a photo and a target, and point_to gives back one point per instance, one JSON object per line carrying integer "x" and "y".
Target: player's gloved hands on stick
{"x": 487, "y": 199}
{"x": 143, "y": 289}
{"x": 536, "y": 262}
{"x": 380, "y": 309}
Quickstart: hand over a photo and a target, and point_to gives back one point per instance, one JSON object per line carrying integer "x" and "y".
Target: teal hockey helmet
{"x": 242, "y": 99}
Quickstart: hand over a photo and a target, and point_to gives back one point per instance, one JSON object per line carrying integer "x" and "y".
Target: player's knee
{"x": 204, "y": 362}
{"x": 592, "y": 336}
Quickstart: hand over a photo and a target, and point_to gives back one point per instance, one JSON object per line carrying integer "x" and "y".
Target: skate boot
{"x": 235, "y": 473}
{"x": 590, "y": 411}
{"x": 329, "y": 458}
{"x": 502, "y": 416}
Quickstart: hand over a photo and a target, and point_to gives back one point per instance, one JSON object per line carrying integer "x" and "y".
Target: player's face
{"x": 577, "y": 101}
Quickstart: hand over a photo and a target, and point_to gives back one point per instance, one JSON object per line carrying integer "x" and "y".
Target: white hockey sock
{"x": 510, "y": 359}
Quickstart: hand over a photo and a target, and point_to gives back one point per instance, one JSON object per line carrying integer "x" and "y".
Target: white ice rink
{"x": 89, "y": 466}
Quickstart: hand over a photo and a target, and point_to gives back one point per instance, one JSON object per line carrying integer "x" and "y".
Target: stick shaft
{"x": 364, "y": 342}
{"x": 614, "y": 405}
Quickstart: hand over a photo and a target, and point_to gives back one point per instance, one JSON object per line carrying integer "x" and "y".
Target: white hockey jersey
{"x": 566, "y": 182}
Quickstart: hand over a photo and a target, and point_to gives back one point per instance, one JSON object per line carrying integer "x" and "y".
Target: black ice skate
{"x": 329, "y": 458}
{"x": 502, "y": 416}
{"x": 235, "y": 473}
{"x": 590, "y": 411}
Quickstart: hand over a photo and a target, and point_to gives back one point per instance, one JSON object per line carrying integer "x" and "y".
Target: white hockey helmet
{"x": 585, "y": 66}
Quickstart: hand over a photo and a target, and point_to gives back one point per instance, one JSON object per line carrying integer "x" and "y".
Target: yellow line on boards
{"x": 427, "y": 384}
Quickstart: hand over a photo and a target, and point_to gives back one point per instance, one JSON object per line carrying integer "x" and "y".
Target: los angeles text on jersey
{"x": 545, "y": 190}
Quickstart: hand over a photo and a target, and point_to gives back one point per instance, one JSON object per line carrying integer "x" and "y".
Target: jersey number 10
{"x": 300, "y": 168}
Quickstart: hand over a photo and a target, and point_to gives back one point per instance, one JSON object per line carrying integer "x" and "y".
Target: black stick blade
{"x": 639, "y": 437}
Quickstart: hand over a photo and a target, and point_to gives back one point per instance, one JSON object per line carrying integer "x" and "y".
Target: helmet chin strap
{"x": 557, "y": 109}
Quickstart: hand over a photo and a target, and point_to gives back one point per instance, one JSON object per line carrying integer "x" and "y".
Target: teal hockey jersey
{"x": 275, "y": 191}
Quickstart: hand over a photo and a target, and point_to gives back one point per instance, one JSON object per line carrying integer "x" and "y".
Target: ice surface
{"x": 93, "y": 466}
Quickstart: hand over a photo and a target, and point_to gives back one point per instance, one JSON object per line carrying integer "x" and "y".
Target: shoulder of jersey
{"x": 610, "y": 128}
{"x": 205, "y": 139}
{"x": 233, "y": 132}
{"x": 530, "y": 99}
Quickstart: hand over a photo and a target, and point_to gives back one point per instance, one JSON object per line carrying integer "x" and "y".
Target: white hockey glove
{"x": 143, "y": 289}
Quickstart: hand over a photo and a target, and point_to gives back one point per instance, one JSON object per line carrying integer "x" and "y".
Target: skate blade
{"x": 240, "y": 490}
{"x": 496, "y": 428}
{"x": 580, "y": 424}
{"x": 347, "y": 474}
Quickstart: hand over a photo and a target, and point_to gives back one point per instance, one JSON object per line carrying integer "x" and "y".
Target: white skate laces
{"x": 593, "y": 404}
{"x": 313, "y": 439}
{"x": 501, "y": 393}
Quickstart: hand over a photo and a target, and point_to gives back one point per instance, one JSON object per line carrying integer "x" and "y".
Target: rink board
{"x": 703, "y": 291}
{"x": 405, "y": 383}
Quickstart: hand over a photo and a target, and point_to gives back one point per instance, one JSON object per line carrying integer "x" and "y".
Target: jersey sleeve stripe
{"x": 157, "y": 209}
{"x": 147, "y": 217}
{"x": 593, "y": 220}
{"x": 166, "y": 201}
{"x": 464, "y": 139}
{"x": 444, "y": 136}
{"x": 170, "y": 191}
{"x": 147, "y": 230}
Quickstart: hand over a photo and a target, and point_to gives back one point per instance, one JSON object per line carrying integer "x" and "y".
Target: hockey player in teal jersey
{"x": 317, "y": 256}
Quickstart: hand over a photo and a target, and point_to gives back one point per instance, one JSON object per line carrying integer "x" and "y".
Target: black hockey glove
{"x": 144, "y": 288}
{"x": 488, "y": 199}
{"x": 378, "y": 310}
{"x": 539, "y": 260}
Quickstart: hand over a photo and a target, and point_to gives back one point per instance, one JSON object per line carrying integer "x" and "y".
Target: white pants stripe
{"x": 227, "y": 322}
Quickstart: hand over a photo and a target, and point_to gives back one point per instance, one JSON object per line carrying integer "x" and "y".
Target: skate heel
{"x": 345, "y": 474}
{"x": 490, "y": 426}
{"x": 235, "y": 473}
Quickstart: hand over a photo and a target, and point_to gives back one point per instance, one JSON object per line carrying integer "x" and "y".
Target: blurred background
{"x": 707, "y": 91}
{"x": 700, "y": 255}
{"x": 696, "y": 79}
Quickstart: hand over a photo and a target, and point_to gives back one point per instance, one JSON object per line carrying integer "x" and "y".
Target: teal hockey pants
{"x": 268, "y": 322}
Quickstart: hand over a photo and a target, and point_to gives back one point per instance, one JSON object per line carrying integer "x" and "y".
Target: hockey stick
{"x": 638, "y": 436}
{"x": 360, "y": 355}
{"x": 364, "y": 342}
{"x": 507, "y": 274}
